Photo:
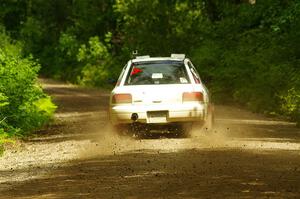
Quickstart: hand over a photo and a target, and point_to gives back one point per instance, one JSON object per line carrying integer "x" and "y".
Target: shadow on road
{"x": 184, "y": 174}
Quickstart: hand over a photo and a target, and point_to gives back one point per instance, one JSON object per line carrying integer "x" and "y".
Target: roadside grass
{"x": 1, "y": 149}
{"x": 4, "y": 139}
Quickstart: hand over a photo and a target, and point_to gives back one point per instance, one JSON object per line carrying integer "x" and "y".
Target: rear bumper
{"x": 187, "y": 112}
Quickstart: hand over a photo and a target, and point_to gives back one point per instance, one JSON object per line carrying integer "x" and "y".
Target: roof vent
{"x": 178, "y": 56}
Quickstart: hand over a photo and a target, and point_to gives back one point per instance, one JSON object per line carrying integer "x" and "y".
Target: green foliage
{"x": 3, "y": 100}
{"x": 254, "y": 60}
{"x": 31, "y": 33}
{"x": 4, "y": 138}
{"x": 23, "y": 105}
{"x": 246, "y": 53}
{"x": 64, "y": 59}
{"x": 95, "y": 59}
{"x": 68, "y": 44}
{"x": 159, "y": 27}
{"x": 291, "y": 104}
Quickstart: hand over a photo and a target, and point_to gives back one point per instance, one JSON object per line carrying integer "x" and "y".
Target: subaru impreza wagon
{"x": 164, "y": 94}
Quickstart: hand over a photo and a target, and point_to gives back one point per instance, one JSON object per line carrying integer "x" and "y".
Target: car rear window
{"x": 157, "y": 72}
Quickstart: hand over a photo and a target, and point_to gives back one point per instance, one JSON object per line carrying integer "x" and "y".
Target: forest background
{"x": 248, "y": 53}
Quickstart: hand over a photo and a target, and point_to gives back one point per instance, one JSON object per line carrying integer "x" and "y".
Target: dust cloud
{"x": 109, "y": 142}
{"x": 225, "y": 136}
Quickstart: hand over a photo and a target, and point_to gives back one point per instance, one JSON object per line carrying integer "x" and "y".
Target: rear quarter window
{"x": 194, "y": 73}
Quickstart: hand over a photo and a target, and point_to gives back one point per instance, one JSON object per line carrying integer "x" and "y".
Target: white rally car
{"x": 160, "y": 94}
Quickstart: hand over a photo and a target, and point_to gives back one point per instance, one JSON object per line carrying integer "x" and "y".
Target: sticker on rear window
{"x": 157, "y": 76}
{"x": 136, "y": 71}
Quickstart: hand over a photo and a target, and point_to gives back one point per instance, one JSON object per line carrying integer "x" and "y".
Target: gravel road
{"x": 78, "y": 156}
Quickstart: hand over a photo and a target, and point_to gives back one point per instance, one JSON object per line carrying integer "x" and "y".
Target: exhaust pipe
{"x": 134, "y": 117}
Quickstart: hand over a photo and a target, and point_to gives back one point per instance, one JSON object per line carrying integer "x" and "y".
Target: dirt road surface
{"x": 248, "y": 156}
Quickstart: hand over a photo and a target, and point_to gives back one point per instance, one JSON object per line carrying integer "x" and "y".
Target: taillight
{"x": 192, "y": 96}
{"x": 121, "y": 98}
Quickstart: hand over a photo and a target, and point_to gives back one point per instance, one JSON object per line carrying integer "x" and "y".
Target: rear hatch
{"x": 157, "y": 82}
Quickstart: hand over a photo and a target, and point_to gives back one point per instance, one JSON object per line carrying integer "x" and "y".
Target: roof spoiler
{"x": 178, "y": 56}
{"x": 143, "y": 57}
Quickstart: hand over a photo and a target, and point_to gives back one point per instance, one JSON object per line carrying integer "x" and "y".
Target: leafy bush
{"x": 23, "y": 105}
{"x": 95, "y": 58}
{"x": 291, "y": 104}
